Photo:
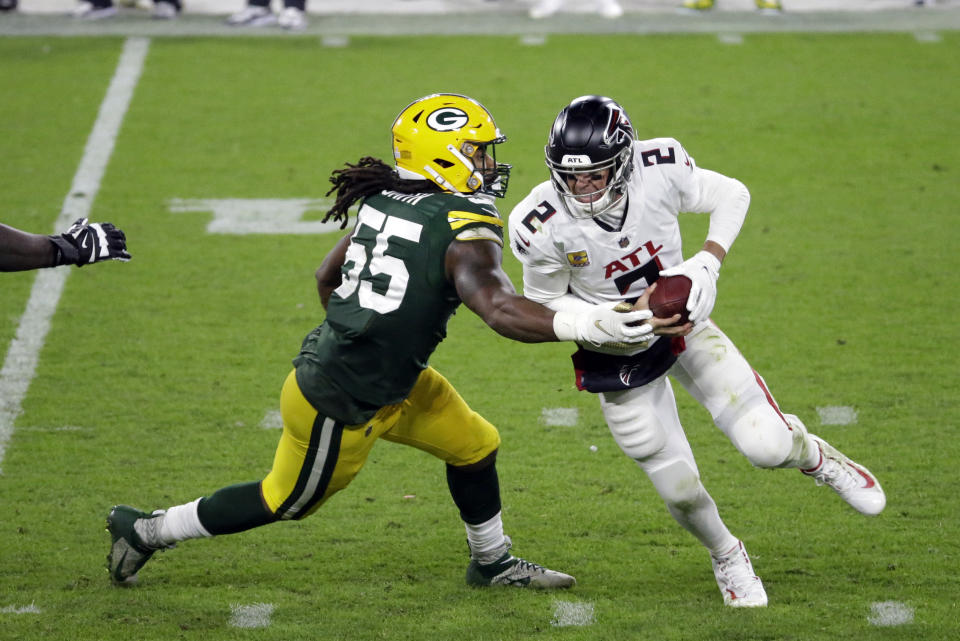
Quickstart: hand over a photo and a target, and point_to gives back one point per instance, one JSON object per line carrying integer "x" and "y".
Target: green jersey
{"x": 391, "y": 309}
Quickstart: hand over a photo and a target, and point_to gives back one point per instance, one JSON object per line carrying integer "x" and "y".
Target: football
{"x": 670, "y": 297}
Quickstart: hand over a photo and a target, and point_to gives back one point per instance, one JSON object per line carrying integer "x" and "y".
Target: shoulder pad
{"x": 466, "y": 216}
{"x": 448, "y": 202}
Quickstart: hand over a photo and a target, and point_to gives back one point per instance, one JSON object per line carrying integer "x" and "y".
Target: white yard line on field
{"x": 20, "y": 364}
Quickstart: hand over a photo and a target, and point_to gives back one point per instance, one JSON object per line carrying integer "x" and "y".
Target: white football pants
{"x": 645, "y": 424}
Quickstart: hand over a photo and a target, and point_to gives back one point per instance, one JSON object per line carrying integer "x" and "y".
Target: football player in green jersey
{"x": 427, "y": 237}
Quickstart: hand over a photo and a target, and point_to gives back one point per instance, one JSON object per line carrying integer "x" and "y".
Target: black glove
{"x": 89, "y": 243}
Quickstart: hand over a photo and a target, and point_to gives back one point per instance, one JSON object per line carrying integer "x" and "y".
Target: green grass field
{"x": 156, "y": 376}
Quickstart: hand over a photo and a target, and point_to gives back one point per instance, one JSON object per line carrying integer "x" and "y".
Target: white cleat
{"x": 252, "y": 16}
{"x": 164, "y": 11}
{"x": 292, "y": 19}
{"x": 741, "y": 588}
{"x": 853, "y": 482}
{"x": 87, "y": 11}
{"x": 609, "y": 9}
{"x": 545, "y": 9}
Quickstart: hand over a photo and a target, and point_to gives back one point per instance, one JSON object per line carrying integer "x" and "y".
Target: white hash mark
{"x": 27, "y": 609}
{"x": 567, "y": 416}
{"x": 254, "y": 615}
{"x": 272, "y": 420}
{"x": 890, "y": 613}
{"x": 568, "y": 613}
{"x": 837, "y": 415}
{"x": 335, "y": 42}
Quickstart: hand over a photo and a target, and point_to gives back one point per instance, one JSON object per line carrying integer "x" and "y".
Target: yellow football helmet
{"x": 450, "y": 139}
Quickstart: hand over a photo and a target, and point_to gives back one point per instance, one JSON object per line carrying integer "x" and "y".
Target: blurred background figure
{"x": 257, "y": 13}
{"x": 95, "y": 10}
{"x": 166, "y": 9}
{"x": 8, "y": 5}
{"x": 100, "y": 9}
{"x": 545, "y": 8}
{"x": 763, "y": 6}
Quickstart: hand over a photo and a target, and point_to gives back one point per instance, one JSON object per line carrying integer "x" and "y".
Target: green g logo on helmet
{"x": 448, "y": 119}
{"x": 450, "y": 140}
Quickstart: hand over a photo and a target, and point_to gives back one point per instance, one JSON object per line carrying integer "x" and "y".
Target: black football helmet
{"x": 591, "y": 134}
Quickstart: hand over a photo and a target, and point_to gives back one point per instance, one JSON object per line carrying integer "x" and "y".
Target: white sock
{"x": 486, "y": 540}
{"x": 181, "y": 522}
{"x": 805, "y": 453}
{"x": 704, "y": 522}
{"x": 727, "y": 551}
{"x": 813, "y": 458}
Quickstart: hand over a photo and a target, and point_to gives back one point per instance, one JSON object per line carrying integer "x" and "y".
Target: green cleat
{"x": 520, "y": 573}
{"x": 128, "y": 552}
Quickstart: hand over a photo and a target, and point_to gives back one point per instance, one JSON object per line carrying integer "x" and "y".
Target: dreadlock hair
{"x": 369, "y": 176}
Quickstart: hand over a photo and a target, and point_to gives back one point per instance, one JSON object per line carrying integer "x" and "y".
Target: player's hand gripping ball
{"x": 670, "y": 297}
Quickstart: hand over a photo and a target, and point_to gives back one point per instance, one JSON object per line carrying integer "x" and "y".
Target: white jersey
{"x": 597, "y": 265}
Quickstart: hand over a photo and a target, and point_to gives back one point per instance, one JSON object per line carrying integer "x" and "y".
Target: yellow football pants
{"x": 317, "y": 456}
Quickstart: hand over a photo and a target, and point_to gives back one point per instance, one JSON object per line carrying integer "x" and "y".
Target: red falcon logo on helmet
{"x": 617, "y": 127}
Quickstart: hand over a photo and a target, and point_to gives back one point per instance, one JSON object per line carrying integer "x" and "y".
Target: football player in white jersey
{"x": 604, "y": 228}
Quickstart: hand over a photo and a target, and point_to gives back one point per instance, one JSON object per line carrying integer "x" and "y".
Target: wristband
{"x": 565, "y": 326}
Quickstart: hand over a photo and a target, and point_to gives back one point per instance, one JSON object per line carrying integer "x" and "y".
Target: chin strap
{"x": 440, "y": 180}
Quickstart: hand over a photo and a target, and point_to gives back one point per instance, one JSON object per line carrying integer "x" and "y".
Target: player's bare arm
{"x": 474, "y": 267}
{"x": 328, "y": 274}
{"x": 716, "y": 249}
{"x": 475, "y": 270}
{"x": 21, "y": 250}
{"x": 81, "y": 244}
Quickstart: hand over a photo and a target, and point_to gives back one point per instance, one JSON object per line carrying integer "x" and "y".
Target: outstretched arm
{"x": 20, "y": 250}
{"x": 474, "y": 268}
{"x": 81, "y": 244}
{"x": 551, "y": 290}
